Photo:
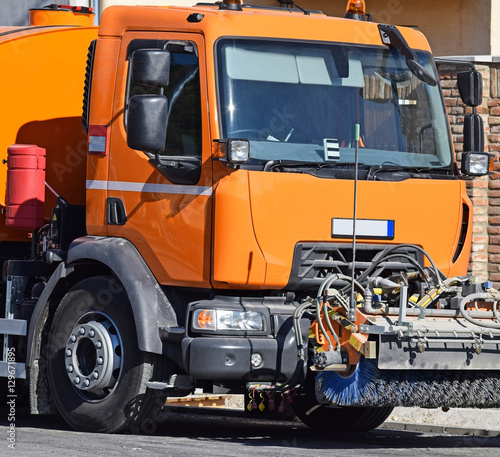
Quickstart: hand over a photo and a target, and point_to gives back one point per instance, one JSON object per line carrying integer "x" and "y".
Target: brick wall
{"x": 484, "y": 191}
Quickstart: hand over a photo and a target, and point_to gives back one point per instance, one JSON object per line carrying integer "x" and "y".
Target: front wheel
{"x": 97, "y": 373}
{"x": 338, "y": 419}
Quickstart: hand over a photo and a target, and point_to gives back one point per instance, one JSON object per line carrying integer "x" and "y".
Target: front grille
{"x": 312, "y": 262}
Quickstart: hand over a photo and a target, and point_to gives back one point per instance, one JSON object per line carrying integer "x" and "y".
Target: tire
{"x": 342, "y": 419}
{"x": 97, "y": 373}
{"x": 333, "y": 419}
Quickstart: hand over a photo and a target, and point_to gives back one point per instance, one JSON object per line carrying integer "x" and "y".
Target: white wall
{"x": 78, "y": 3}
{"x": 453, "y": 27}
{"x": 15, "y": 12}
{"x": 495, "y": 30}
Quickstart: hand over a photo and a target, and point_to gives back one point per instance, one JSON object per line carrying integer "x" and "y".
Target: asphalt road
{"x": 191, "y": 435}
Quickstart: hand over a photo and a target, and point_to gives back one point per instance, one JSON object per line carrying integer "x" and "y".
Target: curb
{"x": 233, "y": 405}
{"x": 438, "y": 428}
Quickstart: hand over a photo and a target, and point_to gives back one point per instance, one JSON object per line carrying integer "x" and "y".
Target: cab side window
{"x": 184, "y": 102}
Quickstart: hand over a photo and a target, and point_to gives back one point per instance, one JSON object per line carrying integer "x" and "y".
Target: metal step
{"x": 14, "y": 369}
{"x": 17, "y": 327}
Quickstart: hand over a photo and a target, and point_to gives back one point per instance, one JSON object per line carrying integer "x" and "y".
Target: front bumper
{"x": 226, "y": 357}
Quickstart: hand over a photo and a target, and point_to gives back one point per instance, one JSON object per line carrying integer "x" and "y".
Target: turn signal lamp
{"x": 205, "y": 319}
{"x": 355, "y": 7}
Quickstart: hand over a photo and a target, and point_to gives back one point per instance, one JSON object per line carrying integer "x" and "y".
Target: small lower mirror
{"x": 147, "y": 123}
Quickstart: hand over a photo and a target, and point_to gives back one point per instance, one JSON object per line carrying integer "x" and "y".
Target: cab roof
{"x": 213, "y": 23}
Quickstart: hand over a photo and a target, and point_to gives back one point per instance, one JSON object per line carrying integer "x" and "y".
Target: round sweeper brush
{"x": 369, "y": 386}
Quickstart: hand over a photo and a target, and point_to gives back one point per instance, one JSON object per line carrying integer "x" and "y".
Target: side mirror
{"x": 151, "y": 67}
{"x": 391, "y": 36}
{"x": 470, "y": 87}
{"x": 475, "y": 162}
{"x": 473, "y": 133}
{"x": 147, "y": 123}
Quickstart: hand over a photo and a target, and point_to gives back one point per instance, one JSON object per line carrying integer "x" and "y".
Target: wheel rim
{"x": 93, "y": 356}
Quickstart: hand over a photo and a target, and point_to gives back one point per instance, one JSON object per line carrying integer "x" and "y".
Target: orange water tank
{"x": 61, "y": 15}
{"x": 25, "y": 194}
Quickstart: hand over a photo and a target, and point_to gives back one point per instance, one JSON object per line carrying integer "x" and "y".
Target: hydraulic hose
{"x": 294, "y": 380}
{"x": 465, "y": 313}
{"x": 389, "y": 250}
{"x": 320, "y": 305}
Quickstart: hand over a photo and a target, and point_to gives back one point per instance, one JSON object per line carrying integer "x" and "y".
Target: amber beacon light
{"x": 356, "y": 10}
{"x": 231, "y": 5}
{"x": 355, "y": 7}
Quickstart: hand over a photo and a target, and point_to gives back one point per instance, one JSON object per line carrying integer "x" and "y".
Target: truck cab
{"x": 256, "y": 122}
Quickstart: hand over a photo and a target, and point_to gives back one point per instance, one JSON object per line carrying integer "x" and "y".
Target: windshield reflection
{"x": 301, "y": 101}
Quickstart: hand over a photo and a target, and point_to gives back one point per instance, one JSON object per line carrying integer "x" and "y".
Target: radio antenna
{"x": 352, "y": 311}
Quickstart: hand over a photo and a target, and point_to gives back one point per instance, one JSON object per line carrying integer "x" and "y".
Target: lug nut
{"x": 77, "y": 380}
{"x": 70, "y": 369}
{"x": 95, "y": 375}
{"x": 92, "y": 334}
{"x": 100, "y": 360}
{"x": 68, "y": 352}
{"x": 98, "y": 345}
{"x": 87, "y": 383}
{"x": 82, "y": 331}
{"x": 73, "y": 338}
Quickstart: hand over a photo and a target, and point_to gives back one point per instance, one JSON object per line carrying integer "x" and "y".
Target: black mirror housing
{"x": 151, "y": 67}
{"x": 475, "y": 162}
{"x": 470, "y": 87}
{"x": 147, "y": 123}
{"x": 473, "y": 133}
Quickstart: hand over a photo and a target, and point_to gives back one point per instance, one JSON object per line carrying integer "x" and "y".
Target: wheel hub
{"x": 93, "y": 356}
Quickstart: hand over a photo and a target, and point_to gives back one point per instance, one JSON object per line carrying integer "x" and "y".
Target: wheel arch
{"x": 150, "y": 306}
{"x": 93, "y": 256}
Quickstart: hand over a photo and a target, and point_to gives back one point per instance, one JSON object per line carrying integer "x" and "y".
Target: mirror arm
{"x": 392, "y": 37}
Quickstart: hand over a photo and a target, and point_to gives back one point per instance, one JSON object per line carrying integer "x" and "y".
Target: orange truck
{"x": 267, "y": 203}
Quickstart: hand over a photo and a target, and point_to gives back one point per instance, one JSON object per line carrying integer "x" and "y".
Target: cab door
{"x": 166, "y": 215}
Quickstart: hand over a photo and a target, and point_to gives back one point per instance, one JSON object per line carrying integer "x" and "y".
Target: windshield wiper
{"x": 416, "y": 171}
{"x": 272, "y": 164}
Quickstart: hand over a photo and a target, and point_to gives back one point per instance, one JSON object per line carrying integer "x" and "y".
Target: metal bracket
{"x": 16, "y": 286}
{"x": 176, "y": 383}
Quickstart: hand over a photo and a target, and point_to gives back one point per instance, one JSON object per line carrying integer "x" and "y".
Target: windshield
{"x": 299, "y": 101}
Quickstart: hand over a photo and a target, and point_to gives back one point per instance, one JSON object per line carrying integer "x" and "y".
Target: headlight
{"x": 238, "y": 151}
{"x": 228, "y": 320}
{"x": 476, "y": 163}
{"x": 233, "y": 151}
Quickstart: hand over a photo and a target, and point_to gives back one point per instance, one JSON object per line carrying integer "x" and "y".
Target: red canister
{"x": 25, "y": 194}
